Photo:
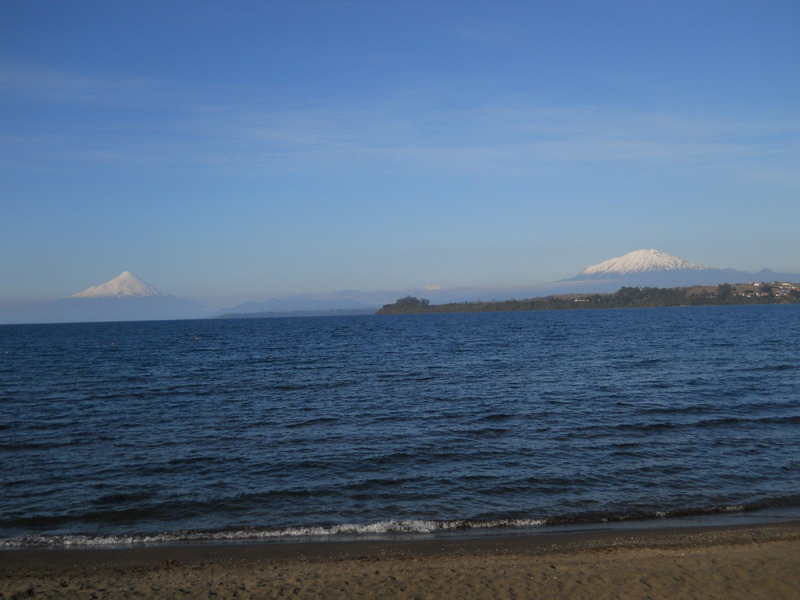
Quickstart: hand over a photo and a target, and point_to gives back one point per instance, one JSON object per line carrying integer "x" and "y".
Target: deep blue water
{"x": 272, "y": 428}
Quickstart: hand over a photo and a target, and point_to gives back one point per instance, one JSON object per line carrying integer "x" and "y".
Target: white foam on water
{"x": 390, "y": 527}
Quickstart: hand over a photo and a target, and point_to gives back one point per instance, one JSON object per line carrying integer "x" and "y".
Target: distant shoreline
{"x": 343, "y": 312}
{"x": 739, "y": 294}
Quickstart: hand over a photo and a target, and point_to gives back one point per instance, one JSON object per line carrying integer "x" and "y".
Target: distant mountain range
{"x": 308, "y": 304}
{"x": 640, "y": 268}
{"x": 128, "y": 298}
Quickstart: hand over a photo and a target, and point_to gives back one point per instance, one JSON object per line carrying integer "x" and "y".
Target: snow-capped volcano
{"x": 651, "y": 268}
{"x": 641, "y": 261}
{"x": 124, "y": 285}
{"x": 124, "y": 298}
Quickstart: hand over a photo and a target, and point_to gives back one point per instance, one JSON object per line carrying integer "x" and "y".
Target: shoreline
{"x": 735, "y": 561}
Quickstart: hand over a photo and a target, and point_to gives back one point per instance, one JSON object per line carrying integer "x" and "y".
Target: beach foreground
{"x": 737, "y": 562}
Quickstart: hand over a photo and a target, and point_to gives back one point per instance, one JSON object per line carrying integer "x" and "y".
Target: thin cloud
{"x": 30, "y": 83}
{"x": 497, "y": 139}
{"x": 486, "y": 33}
{"x": 148, "y": 124}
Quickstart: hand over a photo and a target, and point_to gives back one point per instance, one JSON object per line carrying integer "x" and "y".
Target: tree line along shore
{"x": 626, "y": 297}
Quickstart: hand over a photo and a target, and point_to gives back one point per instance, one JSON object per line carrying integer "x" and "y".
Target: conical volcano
{"x": 653, "y": 268}
{"x": 124, "y": 298}
{"x": 641, "y": 261}
{"x": 124, "y": 285}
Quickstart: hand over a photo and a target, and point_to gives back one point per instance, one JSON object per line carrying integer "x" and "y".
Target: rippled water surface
{"x": 280, "y": 427}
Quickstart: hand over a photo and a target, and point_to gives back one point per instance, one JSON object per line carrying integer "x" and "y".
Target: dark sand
{"x": 760, "y": 561}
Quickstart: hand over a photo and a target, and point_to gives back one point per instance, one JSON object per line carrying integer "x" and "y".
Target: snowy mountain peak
{"x": 641, "y": 261}
{"x": 126, "y": 284}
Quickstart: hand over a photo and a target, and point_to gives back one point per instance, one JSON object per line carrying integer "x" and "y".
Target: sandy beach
{"x": 737, "y": 562}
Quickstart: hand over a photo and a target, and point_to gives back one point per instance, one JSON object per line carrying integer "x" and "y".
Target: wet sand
{"x": 735, "y": 562}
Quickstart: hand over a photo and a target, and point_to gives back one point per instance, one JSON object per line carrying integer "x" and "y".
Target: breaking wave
{"x": 385, "y": 530}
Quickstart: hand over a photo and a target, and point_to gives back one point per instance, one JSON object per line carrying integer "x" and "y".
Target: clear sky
{"x": 231, "y": 151}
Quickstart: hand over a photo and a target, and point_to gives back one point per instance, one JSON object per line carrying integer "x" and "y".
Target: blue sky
{"x": 231, "y": 151}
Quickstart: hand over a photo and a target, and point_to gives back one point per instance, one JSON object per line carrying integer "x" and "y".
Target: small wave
{"x": 380, "y": 528}
{"x": 20, "y": 446}
{"x": 386, "y": 528}
{"x": 310, "y": 422}
{"x": 383, "y": 482}
{"x": 675, "y": 513}
{"x": 311, "y": 385}
{"x": 497, "y": 417}
{"x": 678, "y": 410}
{"x": 483, "y": 431}
{"x": 716, "y": 422}
{"x": 121, "y": 498}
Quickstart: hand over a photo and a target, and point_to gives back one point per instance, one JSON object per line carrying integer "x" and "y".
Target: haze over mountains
{"x": 128, "y": 298}
{"x": 640, "y": 268}
{"x": 126, "y": 284}
{"x": 124, "y": 298}
{"x": 651, "y": 268}
{"x": 642, "y": 261}
{"x": 345, "y": 300}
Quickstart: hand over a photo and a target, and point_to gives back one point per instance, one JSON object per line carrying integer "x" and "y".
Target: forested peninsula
{"x": 626, "y": 297}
